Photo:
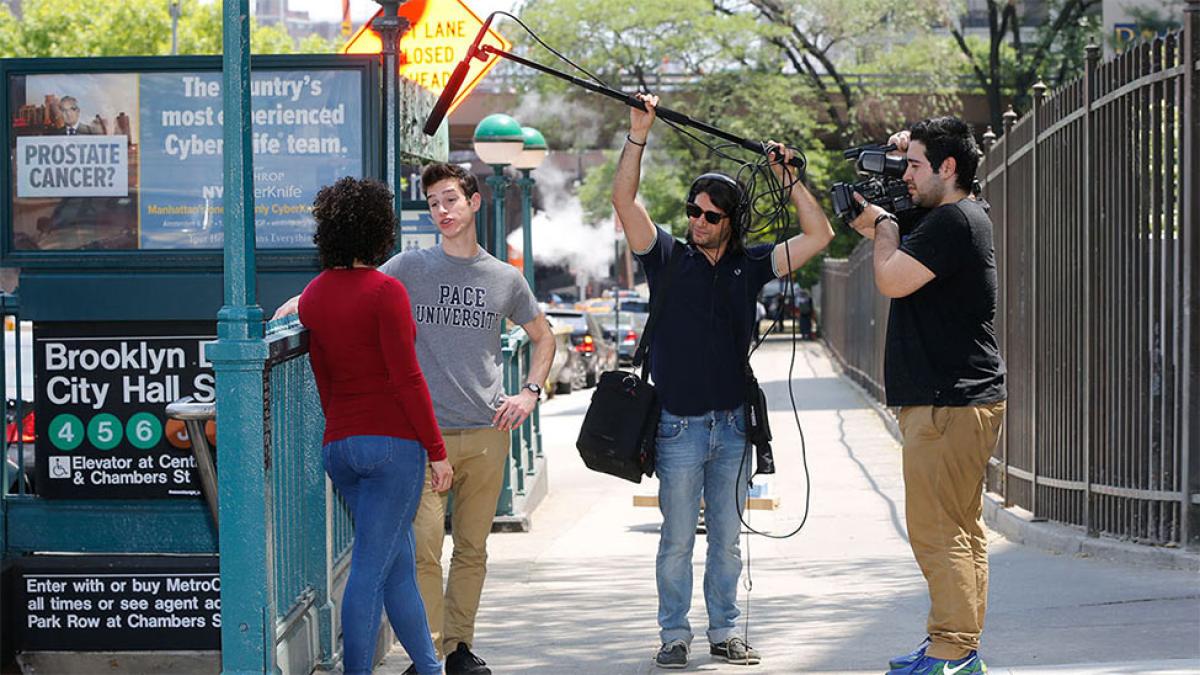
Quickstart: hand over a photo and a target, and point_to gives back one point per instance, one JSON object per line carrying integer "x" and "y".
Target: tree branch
{"x": 1069, "y": 11}
{"x": 966, "y": 50}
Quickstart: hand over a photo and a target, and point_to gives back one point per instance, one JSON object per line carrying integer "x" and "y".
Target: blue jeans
{"x": 699, "y": 456}
{"x": 381, "y": 478}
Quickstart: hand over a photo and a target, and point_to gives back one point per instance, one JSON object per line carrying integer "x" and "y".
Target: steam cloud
{"x": 560, "y": 234}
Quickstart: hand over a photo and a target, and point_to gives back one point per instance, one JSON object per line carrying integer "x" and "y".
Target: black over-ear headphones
{"x": 738, "y": 218}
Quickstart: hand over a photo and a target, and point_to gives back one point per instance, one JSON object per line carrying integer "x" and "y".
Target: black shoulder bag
{"x": 618, "y": 431}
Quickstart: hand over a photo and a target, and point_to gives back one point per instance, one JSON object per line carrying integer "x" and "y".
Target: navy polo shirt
{"x": 698, "y": 349}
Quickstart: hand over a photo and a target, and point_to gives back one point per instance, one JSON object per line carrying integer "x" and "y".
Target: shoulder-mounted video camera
{"x": 882, "y": 184}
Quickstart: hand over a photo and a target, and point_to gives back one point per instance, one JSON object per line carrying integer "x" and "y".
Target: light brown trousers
{"x": 946, "y": 452}
{"x": 478, "y": 457}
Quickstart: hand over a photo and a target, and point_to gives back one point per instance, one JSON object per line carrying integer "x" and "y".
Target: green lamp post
{"x": 498, "y": 141}
{"x": 531, "y": 157}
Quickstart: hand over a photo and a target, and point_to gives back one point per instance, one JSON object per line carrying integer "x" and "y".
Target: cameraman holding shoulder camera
{"x": 943, "y": 368}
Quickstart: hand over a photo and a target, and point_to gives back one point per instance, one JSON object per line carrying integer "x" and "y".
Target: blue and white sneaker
{"x": 927, "y": 665}
{"x": 909, "y": 658}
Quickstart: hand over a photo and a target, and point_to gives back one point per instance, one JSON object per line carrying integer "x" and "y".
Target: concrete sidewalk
{"x": 577, "y": 595}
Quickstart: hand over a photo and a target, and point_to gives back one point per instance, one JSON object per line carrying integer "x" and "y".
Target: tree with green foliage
{"x": 723, "y": 65}
{"x": 1007, "y": 65}
{"x": 811, "y": 36}
{"x": 65, "y": 28}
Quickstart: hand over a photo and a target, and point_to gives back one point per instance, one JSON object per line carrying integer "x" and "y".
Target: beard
{"x": 713, "y": 242}
{"x": 929, "y": 197}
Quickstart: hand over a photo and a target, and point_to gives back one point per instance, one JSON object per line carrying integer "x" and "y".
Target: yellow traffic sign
{"x": 440, "y": 33}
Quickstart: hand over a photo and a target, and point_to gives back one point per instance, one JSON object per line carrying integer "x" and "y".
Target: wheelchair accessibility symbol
{"x": 60, "y": 467}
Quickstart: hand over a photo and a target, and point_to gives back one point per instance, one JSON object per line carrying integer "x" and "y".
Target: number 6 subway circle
{"x": 102, "y": 392}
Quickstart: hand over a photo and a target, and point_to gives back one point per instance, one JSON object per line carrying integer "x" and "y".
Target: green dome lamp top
{"x": 534, "y": 150}
{"x": 498, "y": 139}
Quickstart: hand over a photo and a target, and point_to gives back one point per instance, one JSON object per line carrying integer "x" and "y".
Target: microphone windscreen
{"x": 448, "y": 94}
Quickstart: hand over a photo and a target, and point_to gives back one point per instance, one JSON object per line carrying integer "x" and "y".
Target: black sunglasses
{"x": 694, "y": 211}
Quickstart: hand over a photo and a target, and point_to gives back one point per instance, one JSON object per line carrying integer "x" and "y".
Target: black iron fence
{"x": 1095, "y": 198}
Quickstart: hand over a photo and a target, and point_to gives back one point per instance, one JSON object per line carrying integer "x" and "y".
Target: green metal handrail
{"x": 306, "y": 513}
{"x": 526, "y": 446}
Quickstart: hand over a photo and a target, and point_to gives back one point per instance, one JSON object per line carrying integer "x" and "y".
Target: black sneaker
{"x": 462, "y": 662}
{"x": 411, "y": 670}
{"x": 736, "y": 651}
{"x": 673, "y": 655}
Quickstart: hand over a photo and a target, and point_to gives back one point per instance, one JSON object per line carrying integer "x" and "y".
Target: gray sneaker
{"x": 673, "y": 655}
{"x": 736, "y": 651}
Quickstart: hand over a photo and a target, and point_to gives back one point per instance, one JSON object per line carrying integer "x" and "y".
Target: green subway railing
{"x": 524, "y": 481}
{"x": 310, "y": 525}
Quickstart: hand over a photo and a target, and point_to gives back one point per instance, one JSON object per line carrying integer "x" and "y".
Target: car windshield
{"x": 628, "y": 320}
{"x": 635, "y": 306}
{"x": 575, "y": 321}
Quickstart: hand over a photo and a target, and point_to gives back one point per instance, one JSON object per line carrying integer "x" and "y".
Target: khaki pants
{"x": 946, "y": 451}
{"x": 478, "y": 457}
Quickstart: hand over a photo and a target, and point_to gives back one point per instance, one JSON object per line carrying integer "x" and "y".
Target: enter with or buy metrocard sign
{"x": 440, "y": 33}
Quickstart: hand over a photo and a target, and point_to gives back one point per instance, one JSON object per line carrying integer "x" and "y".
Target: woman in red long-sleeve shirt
{"x": 379, "y": 425}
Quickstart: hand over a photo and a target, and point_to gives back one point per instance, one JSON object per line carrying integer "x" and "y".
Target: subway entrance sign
{"x": 439, "y": 35}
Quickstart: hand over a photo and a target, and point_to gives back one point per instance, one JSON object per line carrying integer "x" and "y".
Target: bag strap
{"x": 641, "y": 355}
{"x": 744, "y": 348}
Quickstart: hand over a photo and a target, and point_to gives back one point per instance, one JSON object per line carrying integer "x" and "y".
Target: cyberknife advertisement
{"x": 133, "y": 160}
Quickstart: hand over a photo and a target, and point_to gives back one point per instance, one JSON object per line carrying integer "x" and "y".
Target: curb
{"x": 1018, "y": 526}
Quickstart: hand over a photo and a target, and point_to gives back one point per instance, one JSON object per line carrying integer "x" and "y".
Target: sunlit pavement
{"x": 576, "y": 594}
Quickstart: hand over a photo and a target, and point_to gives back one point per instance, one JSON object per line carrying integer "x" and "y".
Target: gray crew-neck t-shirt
{"x": 459, "y": 305}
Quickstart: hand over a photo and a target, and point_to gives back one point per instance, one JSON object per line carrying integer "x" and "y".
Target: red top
{"x": 362, "y": 344}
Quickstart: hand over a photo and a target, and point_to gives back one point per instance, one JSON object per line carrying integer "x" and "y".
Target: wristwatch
{"x": 535, "y": 388}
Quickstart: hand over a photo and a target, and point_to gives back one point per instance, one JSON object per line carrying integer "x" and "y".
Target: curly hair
{"x": 355, "y": 221}
{"x": 439, "y": 171}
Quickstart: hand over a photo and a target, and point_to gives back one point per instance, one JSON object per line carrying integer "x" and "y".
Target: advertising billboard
{"x": 132, "y": 161}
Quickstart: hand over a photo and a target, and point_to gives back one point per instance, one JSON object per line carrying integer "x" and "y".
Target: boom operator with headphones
{"x": 760, "y": 214}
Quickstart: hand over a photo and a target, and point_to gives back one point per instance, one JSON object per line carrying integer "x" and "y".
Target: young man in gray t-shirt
{"x": 460, "y": 298}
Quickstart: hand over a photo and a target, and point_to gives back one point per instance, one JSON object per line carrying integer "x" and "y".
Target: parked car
{"x": 780, "y": 305}
{"x": 626, "y": 334}
{"x": 20, "y": 467}
{"x": 566, "y": 370}
{"x": 600, "y": 305}
{"x": 634, "y": 305}
{"x": 587, "y": 340}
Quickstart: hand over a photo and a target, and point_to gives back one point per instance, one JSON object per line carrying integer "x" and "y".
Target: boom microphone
{"x": 456, "y": 81}
{"x": 443, "y": 103}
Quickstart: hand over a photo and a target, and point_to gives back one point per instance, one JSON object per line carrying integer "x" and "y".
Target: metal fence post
{"x": 505, "y": 504}
{"x": 318, "y": 492}
{"x": 1039, "y": 95}
{"x": 238, "y": 358}
{"x": 1009, "y": 117}
{"x": 1190, "y": 239}
{"x": 1088, "y": 211}
{"x": 390, "y": 26}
